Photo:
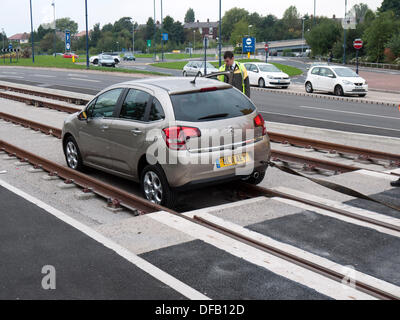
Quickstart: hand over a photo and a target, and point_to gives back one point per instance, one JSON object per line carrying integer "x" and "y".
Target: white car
{"x": 106, "y": 60}
{"x": 194, "y": 68}
{"x": 335, "y": 79}
{"x": 95, "y": 59}
{"x": 266, "y": 75}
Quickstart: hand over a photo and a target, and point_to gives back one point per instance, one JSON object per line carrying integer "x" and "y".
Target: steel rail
{"x": 312, "y": 162}
{"x": 332, "y": 147}
{"x": 39, "y": 103}
{"x": 121, "y": 197}
{"x": 315, "y": 267}
{"x": 78, "y": 101}
{"x": 32, "y": 124}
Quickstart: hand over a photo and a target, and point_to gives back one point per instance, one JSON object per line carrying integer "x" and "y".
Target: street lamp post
{"x": 87, "y": 36}
{"x": 55, "y": 28}
{"x": 315, "y": 10}
{"x": 162, "y": 36}
{"x": 344, "y": 37}
{"x": 219, "y": 38}
{"x": 133, "y": 38}
{"x": 155, "y": 31}
{"x": 32, "y": 38}
{"x": 302, "y": 37}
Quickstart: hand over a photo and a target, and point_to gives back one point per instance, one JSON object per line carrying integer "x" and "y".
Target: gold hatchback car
{"x": 170, "y": 134}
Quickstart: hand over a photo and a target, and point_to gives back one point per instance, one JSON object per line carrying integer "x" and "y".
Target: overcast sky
{"x": 15, "y": 18}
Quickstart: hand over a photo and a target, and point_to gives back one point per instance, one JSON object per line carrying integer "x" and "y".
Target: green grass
{"x": 178, "y": 65}
{"x": 173, "y": 56}
{"x": 60, "y": 62}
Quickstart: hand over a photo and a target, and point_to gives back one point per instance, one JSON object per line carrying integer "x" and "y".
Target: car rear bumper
{"x": 194, "y": 169}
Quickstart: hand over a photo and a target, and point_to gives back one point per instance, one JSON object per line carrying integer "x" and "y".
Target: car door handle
{"x": 136, "y": 131}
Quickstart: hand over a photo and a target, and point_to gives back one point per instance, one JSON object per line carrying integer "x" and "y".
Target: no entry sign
{"x": 358, "y": 44}
{"x": 266, "y": 47}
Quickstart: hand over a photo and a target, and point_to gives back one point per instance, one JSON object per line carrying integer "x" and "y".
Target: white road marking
{"x": 260, "y": 258}
{"x": 359, "y": 276}
{"x": 330, "y": 121}
{"x": 338, "y": 205}
{"x": 17, "y": 77}
{"x": 152, "y": 270}
{"x": 349, "y": 112}
{"x": 77, "y": 75}
{"x": 9, "y": 72}
{"x": 79, "y": 79}
{"x": 44, "y": 76}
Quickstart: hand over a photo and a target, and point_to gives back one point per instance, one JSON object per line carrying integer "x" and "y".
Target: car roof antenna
{"x": 194, "y": 80}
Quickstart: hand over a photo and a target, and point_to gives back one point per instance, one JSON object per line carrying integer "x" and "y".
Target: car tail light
{"x": 176, "y": 137}
{"x": 259, "y": 122}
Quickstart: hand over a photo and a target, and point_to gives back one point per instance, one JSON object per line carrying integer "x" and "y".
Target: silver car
{"x": 106, "y": 60}
{"x": 169, "y": 134}
{"x": 194, "y": 68}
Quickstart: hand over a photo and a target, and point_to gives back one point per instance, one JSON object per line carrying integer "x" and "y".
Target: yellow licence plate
{"x": 233, "y": 160}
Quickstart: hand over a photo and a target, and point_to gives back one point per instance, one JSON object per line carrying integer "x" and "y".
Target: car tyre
{"x": 96, "y": 61}
{"x": 339, "y": 91}
{"x": 309, "y": 87}
{"x": 261, "y": 83}
{"x": 256, "y": 177}
{"x": 155, "y": 187}
{"x": 184, "y": 73}
{"x": 73, "y": 154}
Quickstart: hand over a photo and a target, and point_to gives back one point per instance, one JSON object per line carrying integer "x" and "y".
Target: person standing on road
{"x": 240, "y": 79}
{"x": 395, "y": 183}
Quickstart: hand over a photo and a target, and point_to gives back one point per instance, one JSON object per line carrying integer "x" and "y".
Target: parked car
{"x": 105, "y": 60}
{"x": 194, "y": 68}
{"x": 69, "y": 55}
{"x": 335, "y": 79}
{"x": 152, "y": 131}
{"x": 267, "y": 75}
{"x": 129, "y": 57}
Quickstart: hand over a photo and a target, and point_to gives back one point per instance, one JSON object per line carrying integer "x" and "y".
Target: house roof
{"x": 196, "y": 25}
{"x": 20, "y": 36}
{"x": 82, "y": 34}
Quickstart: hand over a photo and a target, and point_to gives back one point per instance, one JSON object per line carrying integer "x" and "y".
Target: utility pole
{"x": 87, "y": 36}
{"x": 220, "y": 39}
{"x": 32, "y": 38}
{"x": 162, "y": 37}
{"x": 155, "y": 31}
{"x": 315, "y": 10}
{"x": 344, "y": 38}
{"x": 55, "y": 28}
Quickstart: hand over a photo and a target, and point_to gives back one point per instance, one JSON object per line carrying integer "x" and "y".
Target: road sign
{"x": 149, "y": 43}
{"x": 266, "y": 47}
{"x": 249, "y": 44}
{"x": 165, "y": 36}
{"x": 358, "y": 44}
{"x": 67, "y": 40}
{"x": 349, "y": 22}
{"x": 10, "y": 46}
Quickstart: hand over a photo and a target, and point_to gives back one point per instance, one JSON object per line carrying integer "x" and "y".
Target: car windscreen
{"x": 268, "y": 68}
{"x": 345, "y": 72}
{"x": 211, "y": 105}
{"x": 209, "y": 65}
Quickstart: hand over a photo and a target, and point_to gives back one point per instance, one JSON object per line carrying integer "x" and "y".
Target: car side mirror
{"x": 332, "y": 76}
{"x": 82, "y": 116}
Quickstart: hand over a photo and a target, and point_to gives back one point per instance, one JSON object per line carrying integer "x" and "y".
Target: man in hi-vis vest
{"x": 240, "y": 78}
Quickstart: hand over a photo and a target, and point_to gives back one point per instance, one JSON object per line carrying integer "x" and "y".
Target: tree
{"x": 149, "y": 30}
{"x": 360, "y": 10}
{"x": 239, "y": 31}
{"x": 124, "y": 23}
{"x": 67, "y": 24}
{"x": 230, "y": 19}
{"x": 323, "y": 36}
{"x": 394, "y": 45}
{"x": 189, "y": 17}
{"x": 95, "y": 35}
{"x": 379, "y": 33}
{"x": 393, "y": 5}
{"x": 292, "y": 20}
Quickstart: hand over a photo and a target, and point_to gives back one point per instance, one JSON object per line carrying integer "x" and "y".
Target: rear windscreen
{"x": 211, "y": 105}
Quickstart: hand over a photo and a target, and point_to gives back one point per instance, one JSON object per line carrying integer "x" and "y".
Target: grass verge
{"x": 60, "y": 62}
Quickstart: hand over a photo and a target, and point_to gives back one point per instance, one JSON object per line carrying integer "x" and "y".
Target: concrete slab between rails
{"x": 71, "y": 95}
{"x": 142, "y": 234}
{"x": 374, "y": 97}
{"x": 360, "y": 140}
{"x": 249, "y": 211}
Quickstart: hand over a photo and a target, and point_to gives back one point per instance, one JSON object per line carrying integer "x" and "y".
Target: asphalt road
{"x": 298, "y": 110}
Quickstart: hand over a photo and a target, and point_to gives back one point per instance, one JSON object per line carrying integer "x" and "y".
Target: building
{"x": 206, "y": 29}
{"x": 82, "y": 34}
{"x": 21, "y": 38}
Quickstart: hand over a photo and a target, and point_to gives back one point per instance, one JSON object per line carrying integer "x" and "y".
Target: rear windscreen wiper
{"x": 213, "y": 116}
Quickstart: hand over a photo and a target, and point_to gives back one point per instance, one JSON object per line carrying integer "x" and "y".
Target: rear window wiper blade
{"x": 214, "y": 116}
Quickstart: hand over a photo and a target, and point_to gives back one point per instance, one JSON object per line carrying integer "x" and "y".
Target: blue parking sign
{"x": 67, "y": 40}
{"x": 249, "y": 44}
{"x": 165, "y": 36}
{"x": 10, "y": 46}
